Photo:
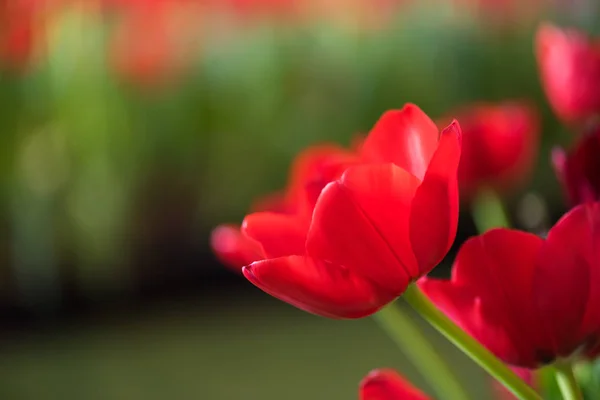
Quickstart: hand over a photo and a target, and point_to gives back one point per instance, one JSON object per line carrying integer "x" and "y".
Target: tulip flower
{"x": 579, "y": 169}
{"x": 387, "y": 384}
{"x": 499, "y": 145}
{"x": 310, "y": 172}
{"x": 569, "y": 64}
{"x": 383, "y": 224}
{"x": 529, "y": 300}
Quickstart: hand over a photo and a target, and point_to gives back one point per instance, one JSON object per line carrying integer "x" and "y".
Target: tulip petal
{"x": 315, "y": 166}
{"x": 434, "y": 211}
{"x": 361, "y": 222}
{"x": 316, "y": 286}
{"x": 234, "y": 249}
{"x": 566, "y": 286}
{"x": 496, "y": 271}
{"x": 387, "y": 384}
{"x": 279, "y": 234}
{"x": 406, "y": 137}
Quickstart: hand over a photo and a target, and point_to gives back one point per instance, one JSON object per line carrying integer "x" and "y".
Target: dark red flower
{"x": 383, "y": 224}
{"x": 499, "y": 145}
{"x": 387, "y": 384}
{"x": 529, "y": 300}
{"x": 569, "y": 64}
{"x": 579, "y": 169}
{"x": 310, "y": 172}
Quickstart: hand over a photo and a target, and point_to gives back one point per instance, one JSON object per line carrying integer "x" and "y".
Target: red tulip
{"x": 387, "y": 384}
{"x": 569, "y": 64}
{"x": 499, "y": 145}
{"x": 383, "y": 224}
{"x": 579, "y": 169}
{"x": 529, "y": 300}
{"x": 310, "y": 172}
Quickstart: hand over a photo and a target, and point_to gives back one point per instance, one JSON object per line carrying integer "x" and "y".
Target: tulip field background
{"x": 118, "y": 156}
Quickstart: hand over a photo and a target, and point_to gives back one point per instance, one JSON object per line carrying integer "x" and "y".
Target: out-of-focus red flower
{"x": 528, "y": 300}
{"x": 569, "y": 64}
{"x": 387, "y": 384}
{"x": 383, "y": 224}
{"x": 310, "y": 172}
{"x": 154, "y": 40}
{"x": 579, "y": 169}
{"x": 21, "y": 24}
{"x": 500, "y": 144}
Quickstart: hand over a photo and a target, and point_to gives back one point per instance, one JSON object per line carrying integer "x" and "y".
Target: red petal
{"x": 315, "y": 164}
{"x": 315, "y": 286}
{"x": 569, "y": 64}
{"x": 567, "y": 288}
{"x": 361, "y": 222}
{"x": 232, "y": 248}
{"x": 406, "y": 137}
{"x": 496, "y": 270}
{"x": 434, "y": 212}
{"x": 279, "y": 234}
{"x": 387, "y": 384}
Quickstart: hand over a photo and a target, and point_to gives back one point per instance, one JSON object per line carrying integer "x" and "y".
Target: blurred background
{"x": 129, "y": 129}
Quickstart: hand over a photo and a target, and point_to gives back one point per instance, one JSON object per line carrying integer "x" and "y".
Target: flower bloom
{"x": 569, "y": 64}
{"x": 310, "y": 172}
{"x": 529, "y": 300}
{"x": 383, "y": 223}
{"x": 579, "y": 169}
{"x": 499, "y": 145}
{"x": 387, "y": 384}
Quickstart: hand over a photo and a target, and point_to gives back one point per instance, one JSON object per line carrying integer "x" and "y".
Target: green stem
{"x": 403, "y": 330}
{"x": 567, "y": 382}
{"x": 468, "y": 345}
{"x": 489, "y": 212}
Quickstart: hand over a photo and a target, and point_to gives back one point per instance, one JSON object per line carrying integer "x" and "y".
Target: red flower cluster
{"x": 529, "y": 300}
{"x": 500, "y": 144}
{"x": 362, "y": 226}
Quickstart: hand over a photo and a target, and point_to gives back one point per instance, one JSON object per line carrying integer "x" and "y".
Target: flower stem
{"x": 566, "y": 381}
{"x": 404, "y": 332}
{"x": 468, "y": 345}
{"x": 489, "y": 212}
